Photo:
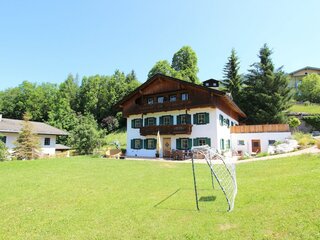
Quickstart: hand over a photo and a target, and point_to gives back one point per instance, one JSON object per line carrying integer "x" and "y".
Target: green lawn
{"x": 312, "y": 108}
{"x": 92, "y": 198}
{"x": 118, "y": 135}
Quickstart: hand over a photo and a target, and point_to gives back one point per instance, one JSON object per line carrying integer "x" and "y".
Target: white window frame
{"x": 166, "y": 120}
{"x": 184, "y": 143}
{"x": 201, "y": 118}
{"x": 184, "y": 96}
{"x": 137, "y": 144}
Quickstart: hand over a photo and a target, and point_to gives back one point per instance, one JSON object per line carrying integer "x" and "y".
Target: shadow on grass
{"x": 183, "y": 199}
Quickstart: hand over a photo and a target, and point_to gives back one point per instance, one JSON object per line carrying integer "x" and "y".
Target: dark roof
{"x": 211, "y": 79}
{"x": 305, "y": 68}
{"x": 15, "y": 126}
{"x": 62, "y": 147}
{"x": 154, "y": 77}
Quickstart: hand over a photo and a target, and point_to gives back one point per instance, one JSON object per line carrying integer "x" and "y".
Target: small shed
{"x": 257, "y": 138}
{"x": 63, "y": 150}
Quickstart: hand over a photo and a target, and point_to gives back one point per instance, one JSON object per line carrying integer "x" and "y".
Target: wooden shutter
{"x": 222, "y": 144}
{"x": 132, "y": 144}
{"x": 179, "y": 119}
{"x": 207, "y": 119}
{"x": 145, "y": 143}
{"x": 188, "y": 118}
{"x": 195, "y": 118}
{"x": 155, "y": 121}
{"x": 171, "y": 120}
{"x": 189, "y": 143}
{"x": 146, "y": 122}
{"x": 133, "y": 124}
{"x": 161, "y": 120}
{"x": 178, "y": 143}
{"x": 196, "y": 142}
{"x": 208, "y": 141}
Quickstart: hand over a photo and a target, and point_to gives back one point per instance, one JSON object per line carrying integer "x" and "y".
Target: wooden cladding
{"x": 260, "y": 128}
{"x": 166, "y": 129}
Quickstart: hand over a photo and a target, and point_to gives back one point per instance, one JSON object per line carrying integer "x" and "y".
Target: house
{"x": 184, "y": 113}
{"x": 257, "y": 138}
{"x": 296, "y": 76}
{"x": 10, "y": 128}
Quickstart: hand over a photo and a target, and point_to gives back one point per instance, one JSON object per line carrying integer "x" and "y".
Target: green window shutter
{"x": 179, "y": 119}
{"x": 188, "y": 118}
{"x": 154, "y": 143}
{"x": 178, "y": 143}
{"x": 132, "y": 144}
{"x": 228, "y": 123}
{"x": 221, "y": 119}
{"x": 155, "y": 121}
{"x": 222, "y": 144}
{"x": 133, "y": 125}
{"x": 145, "y": 143}
{"x": 171, "y": 120}
{"x": 189, "y": 143}
{"x": 161, "y": 121}
{"x": 146, "y": 122}
{"x": 195, "y": 118}
{"x": 141, "y": 143}
{"x": 208, "y": 141}
{"x": 196, "y": 142}
{"x": 207, "y": 118}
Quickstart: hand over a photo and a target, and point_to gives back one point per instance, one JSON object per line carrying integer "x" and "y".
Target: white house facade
{"x": 47, "y": 135}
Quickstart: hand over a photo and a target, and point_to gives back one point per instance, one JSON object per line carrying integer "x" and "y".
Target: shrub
{"x": 294, "y": 122}
{"x": 3, "y": 151}
{"x": 110, "y": 123}
{"x": 304, "y": 139}
{"x": 306, "y": 103}
{"x": 262, "y": 154}
{"x": 313, "y": 121}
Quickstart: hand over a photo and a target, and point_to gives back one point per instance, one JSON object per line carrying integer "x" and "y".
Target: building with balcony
{"x": 185, "y": 114}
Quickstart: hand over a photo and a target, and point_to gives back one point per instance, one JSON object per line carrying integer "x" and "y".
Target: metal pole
{"x": 195, "y": 183}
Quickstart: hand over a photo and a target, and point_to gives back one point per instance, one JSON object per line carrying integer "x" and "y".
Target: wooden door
{"x": 256, "y": 146}
{"x": 166, "y": 147}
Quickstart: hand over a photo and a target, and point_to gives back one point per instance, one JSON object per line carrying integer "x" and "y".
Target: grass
{"x": 118, "y": 135}
{"x": 312, "y": 108}
{"x": 92, "y": 198}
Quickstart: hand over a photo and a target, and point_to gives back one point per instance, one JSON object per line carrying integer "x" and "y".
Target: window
{"x": 150, "y": 143}
{"x": 3, "y": 139}
{"x": 166, "y": 120}
{"x": 183, "y": 143}
{"x": 184, "y": 96}
{"x": 201, "y": 118}
{"x": 47, "y": 141}
{"x": 221, "y": 119}
{"x": 150, "y": 100}
{"x": 150, "y": 121}
{"x": 173, "y": 98}
{"x": 136, "y": 143}
{"x": 202, "y": 141}
{"x": 272, "y": 142}
{"x": 222, "y": 144}
{"x": 228, "y": 144}
{"x": 136, "y": 123}
{"x": 232, "y": 123}
{"x": 160, "y": 99}
{"x": 241, "y": 142}
{"x": 183, "y": 119}
{"x": 228, "y": 123}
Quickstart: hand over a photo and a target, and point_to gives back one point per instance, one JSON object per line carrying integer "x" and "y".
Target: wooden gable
{"x": 164, "y": 86}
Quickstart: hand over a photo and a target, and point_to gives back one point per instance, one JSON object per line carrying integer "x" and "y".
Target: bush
{"x": 304, "y": 139}
{"x": 110, "y": 123}
{"x": 307, "y": 103}
{"x": 294, "y": 122}
{"x": 262, "y": 154}
{"x": 3, "y": 151}
{"x": 313, "y": 121}
{"x": 309, "y": 89}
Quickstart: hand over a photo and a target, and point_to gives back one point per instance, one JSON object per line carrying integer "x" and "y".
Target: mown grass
{"x": 311, "y": 109}
{"x": 92, "y": 198}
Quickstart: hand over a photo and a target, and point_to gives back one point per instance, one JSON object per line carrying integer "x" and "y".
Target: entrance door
{"x": 256, "y": 147}
{"x": 166, "y": 147}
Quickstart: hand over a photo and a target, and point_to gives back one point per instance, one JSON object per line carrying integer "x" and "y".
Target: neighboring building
{"x": 185, "y": 114}
{"x": 10, "y": 128}
{"x": 296, "y": 76}
{"x": 212, "y": 83}
{"x": 257, "y": 138}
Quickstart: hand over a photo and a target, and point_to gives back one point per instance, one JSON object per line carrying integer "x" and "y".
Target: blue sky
{"x": 44, "y": 41}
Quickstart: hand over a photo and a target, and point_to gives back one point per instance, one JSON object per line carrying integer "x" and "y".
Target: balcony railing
{"x": 164, "y": 106}
{"x": 166, "y": 129}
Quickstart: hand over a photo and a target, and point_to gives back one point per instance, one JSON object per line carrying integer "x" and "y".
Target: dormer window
{"x": 150, "y": 100}
{"x": 173, "y": 98}
{"x": 184, "y": 96}
{"x": 160, "y": 99}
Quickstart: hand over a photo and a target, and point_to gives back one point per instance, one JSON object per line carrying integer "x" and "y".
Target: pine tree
{"x": 27, "y": 144}
{"x": 232, "y": 80}
{"x": 266, "y": 93}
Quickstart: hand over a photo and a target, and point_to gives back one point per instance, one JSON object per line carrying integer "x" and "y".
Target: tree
{"x": 266, "y": 94}
{"x": 85, "y": 137}
{"x": 27, "y": 143}
{"x": 163, "y": 67}
{"x": 69, "y": 90}
{"x": 294, "y": 122}
{"x": 185, "y": 62}
{"x": 110, "y": 123}
{"x": 309, "y": 89}
{"x": 3, "y": 151}
{"x": 232, "y": 79}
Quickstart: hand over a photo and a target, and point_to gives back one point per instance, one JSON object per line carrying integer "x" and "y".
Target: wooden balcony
{"x": 166, "y": 106}
{"x": 166, "y": 129}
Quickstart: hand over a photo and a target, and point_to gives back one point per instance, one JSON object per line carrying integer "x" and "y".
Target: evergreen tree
{"x": 266, "y": 93}
{"x": 27, "y": 143}
{"x": 185, "y": 62}
{"x": 232, "y": 79}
